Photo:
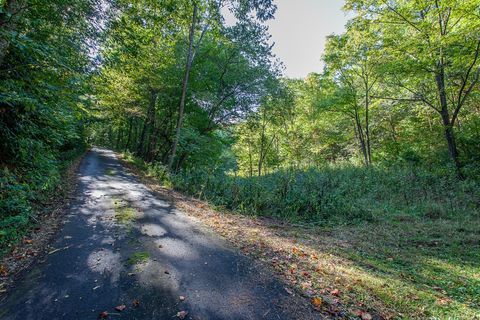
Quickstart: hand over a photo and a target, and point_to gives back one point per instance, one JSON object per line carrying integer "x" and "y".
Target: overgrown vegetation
{"x": 387, "y": 135}
{"x": 397, "y": 266}
{"x": 338, "y": 194}
{"x": 43, "y": 64}
{"x": 384, "y": 139}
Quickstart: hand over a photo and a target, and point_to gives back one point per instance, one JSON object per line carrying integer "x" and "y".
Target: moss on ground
{"x": 124, "y": 214}
{"x": 138, "y": 258}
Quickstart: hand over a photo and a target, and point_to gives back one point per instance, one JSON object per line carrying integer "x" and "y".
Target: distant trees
{"x": 433, "y": 52}
{"x": 394, "y": 87}
{"x": 162, "y": 49}
{"x": 181, "y": 87}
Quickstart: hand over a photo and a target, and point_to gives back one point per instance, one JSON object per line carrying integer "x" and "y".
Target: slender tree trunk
{"x": 153, "y": 144}
{"x": 447, "y": 123}
{"x": 119, "y": 138}
{"x": 250, "y": 160}
{"x": 129, "y": 134}
{"x": 188, "y": 66}
{"x": 367, "y": 123}
{"x": 361, "y": 137}
{"x": 149, "y": 122}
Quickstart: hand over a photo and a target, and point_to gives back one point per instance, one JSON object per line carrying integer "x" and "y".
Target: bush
{"x": 15, "y": 208}
{"x": 26, "y": 188}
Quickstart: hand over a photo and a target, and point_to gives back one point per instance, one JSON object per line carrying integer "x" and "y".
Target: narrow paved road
{"x": 105, "y": 258}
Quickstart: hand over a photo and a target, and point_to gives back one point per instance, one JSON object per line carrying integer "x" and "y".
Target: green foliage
{"x": 343, "y": 194}
{"x": 15, "y": 208}
{"x": 43, "y": 64}
{"x": 139, "y": 86}
{"x": 25, "y": 190}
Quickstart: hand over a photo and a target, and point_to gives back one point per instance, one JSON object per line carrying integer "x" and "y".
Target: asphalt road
{"x": 103, "y": 258}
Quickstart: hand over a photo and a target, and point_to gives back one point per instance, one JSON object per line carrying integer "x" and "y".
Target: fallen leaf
{"x": 103, "y": 315}
{"x": 136, "y": 302}
{"x": 182, "y": 314}
{"x": 121, "y": 307}
{"x": 28, "y": 241}
{"x": 443, "y": 301}
{"x": 335, "y": 292}
{"x": 3, "y": 271}
{"x": 317, "y": 302}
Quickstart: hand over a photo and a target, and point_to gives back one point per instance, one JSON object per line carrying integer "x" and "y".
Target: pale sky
{"x": 300, "y": 29}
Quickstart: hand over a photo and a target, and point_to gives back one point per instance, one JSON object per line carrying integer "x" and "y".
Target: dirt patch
{"x": 35, "y": 245}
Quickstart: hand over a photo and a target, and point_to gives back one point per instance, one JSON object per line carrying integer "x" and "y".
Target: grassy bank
{"x": 26, "y": 193}
{"x": 345, "y": 195}
{"x": 392, "y": 247}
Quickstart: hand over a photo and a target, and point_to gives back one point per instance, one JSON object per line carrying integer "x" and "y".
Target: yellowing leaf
{"x": 317, "y": 302}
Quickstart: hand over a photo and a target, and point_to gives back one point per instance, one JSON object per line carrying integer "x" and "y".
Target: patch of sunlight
{"x": 105, "y": 262}
{"x": 152, "y": 230}
{"x": 177, "y": 249}
{"x": 458, "y": 269}
{"x": 394, "y": 293}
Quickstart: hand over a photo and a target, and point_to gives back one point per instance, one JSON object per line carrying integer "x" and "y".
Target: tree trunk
{"x": 119, "y": 138}
{"x": 447, "y": 123}
{"x": 188, "y": 66}
{"x": 361, "y": 137}
{"x": 149, "y": 122}
{"x": 129, "y": 134}
{"x": 367, "y": 123}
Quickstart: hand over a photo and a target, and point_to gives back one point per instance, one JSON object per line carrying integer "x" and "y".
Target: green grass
{"x": 138, "y": 258}
{"x": 400, "y": 242}
{"x": 337, "y": 195}
{"x": 419, "y": 268}
{"x": 123, "y": 213}
{"x": 110, "y": 172}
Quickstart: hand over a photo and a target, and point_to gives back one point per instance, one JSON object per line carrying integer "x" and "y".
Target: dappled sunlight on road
{"x": 120, "y": 243}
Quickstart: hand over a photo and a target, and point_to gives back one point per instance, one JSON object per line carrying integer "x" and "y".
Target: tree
{"x": 352, "y": 63}
{"x": 434, "y": 48}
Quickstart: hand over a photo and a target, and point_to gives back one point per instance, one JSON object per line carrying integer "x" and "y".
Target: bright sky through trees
{"x": 299, "y": 31}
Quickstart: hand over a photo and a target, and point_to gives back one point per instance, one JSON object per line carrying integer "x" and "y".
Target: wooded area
{"x": 389, "y": 129}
